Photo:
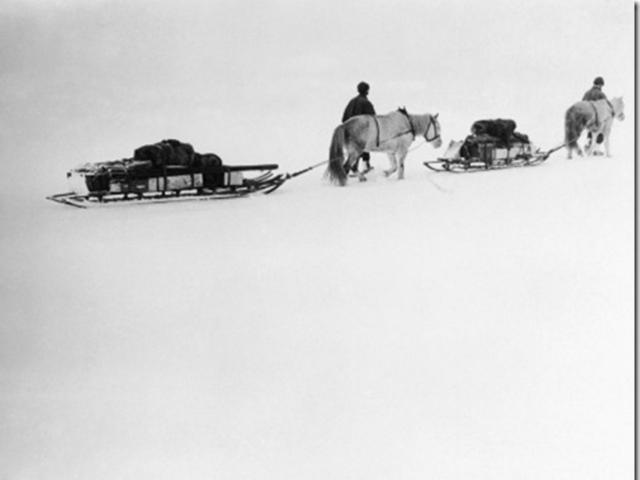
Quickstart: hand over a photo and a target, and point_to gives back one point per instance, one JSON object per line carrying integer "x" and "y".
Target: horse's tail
{"x": 335, "y": 170}
{"x": 572, "y": 128}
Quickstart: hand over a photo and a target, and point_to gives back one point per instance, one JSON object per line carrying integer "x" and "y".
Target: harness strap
{"x": 595, "y": 111}
{"x": 613, "y": 110}
{"x": 412, "y": 131}
{"x": 406, "y": 114}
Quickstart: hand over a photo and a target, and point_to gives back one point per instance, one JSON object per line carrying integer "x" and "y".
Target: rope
{"x": 305, "y": 170}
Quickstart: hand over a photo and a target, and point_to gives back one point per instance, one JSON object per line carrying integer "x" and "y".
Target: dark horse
{"x": 392, "y": 133}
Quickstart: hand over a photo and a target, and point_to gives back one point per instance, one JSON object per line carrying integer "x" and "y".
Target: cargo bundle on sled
{"x": 166, "y": 171}
{"x": 493, "y": 144}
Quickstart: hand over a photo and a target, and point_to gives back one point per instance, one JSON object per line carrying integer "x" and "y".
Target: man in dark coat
{"x": 593, "y": 94}
{"x": 360, "y": 105}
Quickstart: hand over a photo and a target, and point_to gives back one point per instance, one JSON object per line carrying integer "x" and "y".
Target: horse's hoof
{"x": 363, "y": 179}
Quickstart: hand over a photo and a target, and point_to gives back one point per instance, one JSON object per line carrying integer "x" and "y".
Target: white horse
{"x": 597, "y": 117}
{"x": 392, "y": 133}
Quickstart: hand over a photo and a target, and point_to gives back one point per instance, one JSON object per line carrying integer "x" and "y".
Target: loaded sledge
{"x": 493, "y": 144}
{"x": 166, "y": 171}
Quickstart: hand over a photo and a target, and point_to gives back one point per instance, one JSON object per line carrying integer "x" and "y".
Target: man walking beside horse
{"x": 360, "y": 105}
{"x": 391, "y": 133}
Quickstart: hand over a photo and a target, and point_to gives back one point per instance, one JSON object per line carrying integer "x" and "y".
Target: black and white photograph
{"x": 318, "y": 240}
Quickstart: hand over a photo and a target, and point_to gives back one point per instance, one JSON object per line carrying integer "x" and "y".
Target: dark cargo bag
{"x": 166, "y": 152}
{"x": 502, "y": 129}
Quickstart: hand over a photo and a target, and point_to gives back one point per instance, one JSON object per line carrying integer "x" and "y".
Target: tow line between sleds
{"x": 304, "y": 170}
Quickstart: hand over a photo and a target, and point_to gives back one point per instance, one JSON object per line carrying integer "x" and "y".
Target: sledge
{"x": 167, "y": 171}
{"x": 493, "y": 144}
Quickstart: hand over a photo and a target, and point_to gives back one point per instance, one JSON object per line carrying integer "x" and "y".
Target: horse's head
{"x": 618, "y": 108}
{"x": 432, "y": 133}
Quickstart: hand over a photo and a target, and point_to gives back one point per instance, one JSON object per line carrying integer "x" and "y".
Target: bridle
{"x": 615, "y": 114}
{"x": 432, "y": 121}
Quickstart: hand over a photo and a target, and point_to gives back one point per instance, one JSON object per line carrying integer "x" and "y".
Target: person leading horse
{"x": 360, "y": 105}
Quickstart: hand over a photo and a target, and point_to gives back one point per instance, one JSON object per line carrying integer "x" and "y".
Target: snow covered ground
{"x": 445, "y": 326}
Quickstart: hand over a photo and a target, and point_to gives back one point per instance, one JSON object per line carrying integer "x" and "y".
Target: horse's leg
{"x": 573, "y": 130}
{"x": 596, "y": 149}
{"x": 393, "y": 162}
{"x": 588, "y": 148}
{"x": 403, "y": 154}
{"x": 597, "y": 140}
{"x": 606, "y": 132}
{"x": 354, "y": 155}
{"x": 573, "y": 146}
{"x": 579, "y": 149}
